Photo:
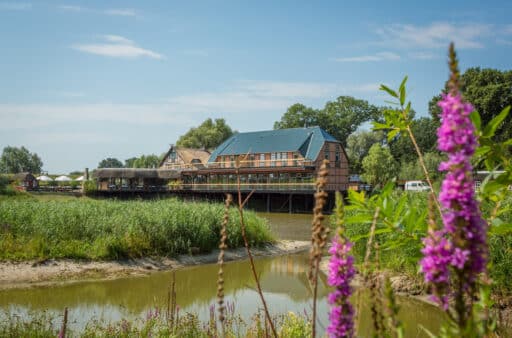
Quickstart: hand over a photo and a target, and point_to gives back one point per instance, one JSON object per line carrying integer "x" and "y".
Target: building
{"x": 181, "y": 158}
{"x": 269, "y": 161}
{"x": 26, "y": 181}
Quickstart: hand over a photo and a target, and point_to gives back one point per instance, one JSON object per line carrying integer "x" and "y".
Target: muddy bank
{"x": 49, "y": 272}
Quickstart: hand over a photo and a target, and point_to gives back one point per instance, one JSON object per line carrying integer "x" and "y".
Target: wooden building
{"x": 270, "y": 161}
{"x": 26, "y": 181}
{"x": 182, "y": 158}
{"x": 131, "y": 179}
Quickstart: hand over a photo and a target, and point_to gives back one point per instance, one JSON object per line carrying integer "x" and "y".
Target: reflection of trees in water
{"x": 194, "y": 285}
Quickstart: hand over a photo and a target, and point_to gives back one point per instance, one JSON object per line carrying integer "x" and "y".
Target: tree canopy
{"x": 358, "y": 146}
{"x": 110, "y": 162}
{"x": 425, "y": 133}
{"x": 144, "y": 161}
{"x": 16, "y": 160}
{"x": 340, "y": 118}
{"x": 209, "y": 135}
{"x": 379, "y": 166}
{"x": 489, "y": 90}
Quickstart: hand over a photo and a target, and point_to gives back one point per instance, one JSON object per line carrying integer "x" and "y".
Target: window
{"x": 284, "y": 156}
{"x": 273, "y": 159}
{"x": 262, "y": 160}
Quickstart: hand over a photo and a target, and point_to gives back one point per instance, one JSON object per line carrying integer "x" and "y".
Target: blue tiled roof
{"x": 308, "y": 141}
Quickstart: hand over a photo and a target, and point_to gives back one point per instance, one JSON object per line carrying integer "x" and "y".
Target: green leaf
{"x": 388, "y": 90}
{"x": 379, "y": 126}
{"x": 392, "y": 134}
{"x": 475, "y": 118}
{"x": 402, "y": 91}
{"x": 490, "y": 129}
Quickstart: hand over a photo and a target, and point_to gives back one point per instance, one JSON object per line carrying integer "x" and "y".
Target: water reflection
{"x": 284, "y": 282}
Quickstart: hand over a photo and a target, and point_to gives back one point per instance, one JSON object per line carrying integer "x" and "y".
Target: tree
{"x": 146, "y": 161}
{"x": 110, "y": 163}
{"x": 298, "y": 116}
{"x": 16, "y": 160}
{"x": 339, "y": 118}
{"x": 129, "y": 163}
{"x": 413, "y": 171}
{"x": 379, "y": 166}
{"x": 209, "y": 135}
{"x": 489, "y": 90}
{"x": 358, "y": 145}
{"x": 425, "y": 132}
{"x": 345, "y": 115}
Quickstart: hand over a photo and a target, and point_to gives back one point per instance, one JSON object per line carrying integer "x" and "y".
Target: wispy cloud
{"x": 71, "y": 8}
{"x": 435, "y": 35}
{"x": 423, "y": 55}
{"x": 117, "y": 46}
{"x": 121, "y": 12}
{"x": 381, "y": 56}
{"x": 15, "y": 6}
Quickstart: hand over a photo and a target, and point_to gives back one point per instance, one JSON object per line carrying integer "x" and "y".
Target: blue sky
{"x": 84, "y": 80}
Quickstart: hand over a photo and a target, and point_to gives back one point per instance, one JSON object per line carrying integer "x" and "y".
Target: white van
{"x": 416, "y": 186}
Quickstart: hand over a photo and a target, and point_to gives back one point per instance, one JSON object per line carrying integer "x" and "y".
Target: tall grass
{"x": 109, "y": 229}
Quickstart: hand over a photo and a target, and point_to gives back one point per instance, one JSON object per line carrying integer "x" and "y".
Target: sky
{"x": 81, "y": 81}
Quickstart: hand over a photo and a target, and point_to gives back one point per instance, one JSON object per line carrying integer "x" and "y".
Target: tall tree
{"x": 146, "y": 161}
{"x": 379, "y": 166}
{"x": 110, "y": 162}
{"x": 424, "y": 130}
{"x": 489, "y": 90}
{"x": 129, "y": 162}
{"x": 16, "y": 160}
{"x": 340, "y": 118}
{"x": 345, "y": 115}
{"x": 297, "y": 116}
{"x": 358, "y": 146}
{"x": 208, "y": 135}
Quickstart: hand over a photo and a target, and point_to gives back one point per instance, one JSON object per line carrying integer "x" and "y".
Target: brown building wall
{"x": 337, "y": 178}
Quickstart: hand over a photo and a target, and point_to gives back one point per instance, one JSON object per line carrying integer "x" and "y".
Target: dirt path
{"x": 38, "y": 273}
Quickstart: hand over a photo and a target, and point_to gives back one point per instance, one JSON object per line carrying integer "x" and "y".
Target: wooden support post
{"x": 268, "y": 202}
{"x": 290, "y": 203}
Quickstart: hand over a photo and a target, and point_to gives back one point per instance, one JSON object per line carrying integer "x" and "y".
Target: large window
{"x": 262, "y": 160}
{"x": 273, "y": 159}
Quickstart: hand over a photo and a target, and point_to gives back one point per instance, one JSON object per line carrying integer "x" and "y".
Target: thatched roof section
{"x": 23, "y": 177}
{"x": 135, "y": 173}
{"x": 187, "y": 155}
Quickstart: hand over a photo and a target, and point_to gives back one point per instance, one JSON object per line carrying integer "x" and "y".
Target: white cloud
{"x": 382, "y": 56}
{"x": 423, "y": 55}
{"x": 435, "y": 35}
{"x": 121, "y": 12}
{"x": 117, "y": 46}
{"x": 71, "y": 8}
{"x": 15, "y": 6}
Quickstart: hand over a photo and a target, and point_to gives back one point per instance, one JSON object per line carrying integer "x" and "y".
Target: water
{"x": 283, "y": 279}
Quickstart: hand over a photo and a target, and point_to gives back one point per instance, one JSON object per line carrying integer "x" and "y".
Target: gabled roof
{"x": 307, "y": 141}
{"x": 187, "y": 155}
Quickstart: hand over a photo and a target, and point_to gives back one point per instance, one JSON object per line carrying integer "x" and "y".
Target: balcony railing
{"x": 244, "y": 187}
{"x": 301, "y": 163}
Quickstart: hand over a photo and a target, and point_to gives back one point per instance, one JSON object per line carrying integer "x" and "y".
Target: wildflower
{"x": 341, "y": 272}
{"x": 457, "y": 252}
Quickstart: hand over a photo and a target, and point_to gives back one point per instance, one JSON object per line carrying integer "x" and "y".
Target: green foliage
{"x": 117, "y": 229}
{"x": 339, "y": 118}
{"x": 489, "y": 91}
{"x": 358, "y": 146}
{"x": 294, "y": 326}
{"x": 412, "y": 170}
{"x": 144, "y": 161}
{"x": 16, "y": 160}
{"x": 208, "y": 135}
{"x": 110, "y": 162}
{"x": 379, "y": 166}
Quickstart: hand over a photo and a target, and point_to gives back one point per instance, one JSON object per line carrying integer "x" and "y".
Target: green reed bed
{"x": 111, "y": 229}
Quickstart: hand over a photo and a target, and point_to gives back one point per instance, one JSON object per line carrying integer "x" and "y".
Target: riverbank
{"x": 60, "y": 271}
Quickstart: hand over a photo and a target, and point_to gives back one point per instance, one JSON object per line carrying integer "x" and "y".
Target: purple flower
{"x": 460, "y": 248}
{"x": 341, "y": 272}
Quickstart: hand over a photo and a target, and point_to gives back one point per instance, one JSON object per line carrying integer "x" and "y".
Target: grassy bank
{"x": 110, "y": 229}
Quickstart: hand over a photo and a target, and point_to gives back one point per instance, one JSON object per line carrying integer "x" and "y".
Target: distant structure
{"x": 183, "y": 158}
{"x": 278, "y": 167}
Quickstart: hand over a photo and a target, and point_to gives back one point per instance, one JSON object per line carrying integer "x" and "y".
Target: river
{"x": 283, "y": 279}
